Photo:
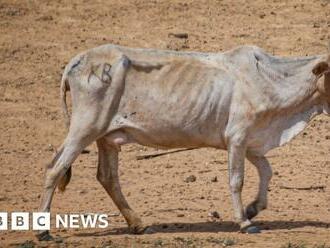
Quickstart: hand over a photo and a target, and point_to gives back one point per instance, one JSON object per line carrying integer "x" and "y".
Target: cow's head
{"x": 322, "y": 72}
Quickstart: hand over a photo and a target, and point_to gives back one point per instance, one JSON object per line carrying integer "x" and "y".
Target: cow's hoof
{"x": 245, "y": 225}
{"x": 44, "y": 236}
{"x": 138, "y": 229}
{"x": 142, "y": 230}
{"x": 251, "y": 210}
{"x": 149, "y": 230}
{"x": 252, "y": 230}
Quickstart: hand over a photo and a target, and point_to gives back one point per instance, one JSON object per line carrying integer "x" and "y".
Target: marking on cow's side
{"x": 75, "y": 65}
{"x": 106, "y": 77}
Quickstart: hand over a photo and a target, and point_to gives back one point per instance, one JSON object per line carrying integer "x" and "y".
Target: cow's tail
{"x": 64, "y": 181}
{"x": 64, "y": 89}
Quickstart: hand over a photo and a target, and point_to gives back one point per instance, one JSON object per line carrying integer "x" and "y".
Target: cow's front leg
{"x": 236, "y": 156}
{"x": 265, "y": 174}
{"x": 107, "y": 175}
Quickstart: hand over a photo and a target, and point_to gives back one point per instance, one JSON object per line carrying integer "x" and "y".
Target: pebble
{"x": 214, "y": 214}
{"x": 82, "y": 192}
{"x": 179, "y": 35}
{"x": 3, "y": 198}
{"x": 58, "y": 240}
{"x": 190, "y": 179}
{"x": 50, "y": 148}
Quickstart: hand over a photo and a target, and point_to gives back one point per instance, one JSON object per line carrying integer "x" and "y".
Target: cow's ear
{"x": 320, "y": 68}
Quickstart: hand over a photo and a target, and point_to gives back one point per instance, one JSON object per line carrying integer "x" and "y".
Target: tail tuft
{"x": 64, "y": 181}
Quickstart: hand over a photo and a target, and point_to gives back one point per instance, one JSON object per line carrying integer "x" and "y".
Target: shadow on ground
{"x": 211, "y": 227}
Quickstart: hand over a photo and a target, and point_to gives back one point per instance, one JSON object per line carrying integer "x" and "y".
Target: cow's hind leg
{"x": 265, "y": 174}
{"x": 79, "y": 138}
{"x": 54, "y": 172}
{"x": 107, "y": 175}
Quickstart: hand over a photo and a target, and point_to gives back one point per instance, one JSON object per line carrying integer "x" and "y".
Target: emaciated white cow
{"x": 244, "y": 100}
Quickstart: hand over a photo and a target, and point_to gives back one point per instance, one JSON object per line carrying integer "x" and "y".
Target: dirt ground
{"x": 38, "y": 38}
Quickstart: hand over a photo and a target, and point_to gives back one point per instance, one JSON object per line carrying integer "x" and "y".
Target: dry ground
{"x": 37, "y": 39}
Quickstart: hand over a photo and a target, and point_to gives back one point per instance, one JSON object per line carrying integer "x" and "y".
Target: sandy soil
{"x": 37, "y": 39}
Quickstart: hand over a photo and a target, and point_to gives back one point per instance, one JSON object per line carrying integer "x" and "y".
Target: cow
{"x": 244, "y": 101}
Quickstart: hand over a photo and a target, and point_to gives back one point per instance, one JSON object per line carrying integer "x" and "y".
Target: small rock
{"x": 3, "y": 198}
{"x": 27, "y": 244}
{"x": 147, "y": 213}
{"x": 214, "y": 214}
{"x": 50, "y": 148}
{"x": 82, "y": 192}
{"x": 190, "y": 179}
{"x": 214, "y": 179}
{"x": 180, "y": 215}
{"x": 58, "y": 239}
{"x": 179, "y": 35}
{"x": 252, "y": 230}
{"x": 45, "y": 18}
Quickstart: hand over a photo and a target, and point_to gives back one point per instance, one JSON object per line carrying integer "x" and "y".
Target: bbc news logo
{"x": 42, "y": 221}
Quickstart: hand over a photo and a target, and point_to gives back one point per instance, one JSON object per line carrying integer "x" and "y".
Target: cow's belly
{"x": 164, "y": 134}
{"x": 188, "y": 118}
{"x": 168, "y": 135}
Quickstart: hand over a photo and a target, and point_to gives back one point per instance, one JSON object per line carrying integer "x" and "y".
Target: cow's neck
{"x": 298, "y": 104}
{"x": 295, "y": 119}
{"x": 287, "y": 124}
{"x": 298, "y": 88}
{"x": 297, "y": 122}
